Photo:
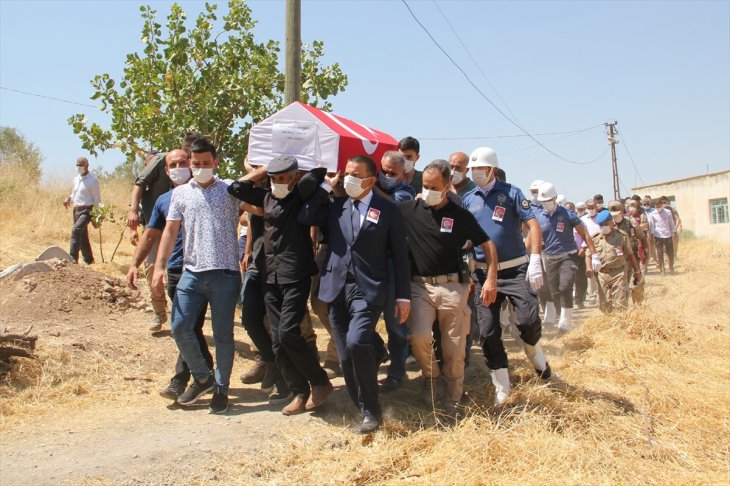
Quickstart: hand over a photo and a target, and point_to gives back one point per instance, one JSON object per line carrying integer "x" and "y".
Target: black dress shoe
{"x": 368, "y": 425}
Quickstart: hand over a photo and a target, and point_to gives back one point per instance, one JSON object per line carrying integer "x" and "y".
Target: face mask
{"x": 353, "y": 186}
{"x": 549, "y": 206}
{"x": 581, "y": 212}
{"x": 605, "y": 230}
{"x": 180, "y": 175}
{"x": 634, "y": 210}
{"x": 457, "y": 177}
{"x": 409, "y": 165}
{"x": 535, "y": 202}
{"x": 280, "y": 191}
{"x": 386, "y": 181}
{"x": 617, "y": 218}
{"x": 481, "y": 178}
{"x": 81, "y": 170}
{"x": 599, "y": 205}
{"x": 431, "y": 197}
{"x": 202, "y": 176}
{"x": 592, "y": 213}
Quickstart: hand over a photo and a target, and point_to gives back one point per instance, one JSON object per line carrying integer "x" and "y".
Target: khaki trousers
{"x": 159, "y": 303}
{"x": 447, "y": 303}
{"x": 615, "y": 288}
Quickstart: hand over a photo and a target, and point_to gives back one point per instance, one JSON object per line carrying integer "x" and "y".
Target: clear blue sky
{"x": 662, "y": 69}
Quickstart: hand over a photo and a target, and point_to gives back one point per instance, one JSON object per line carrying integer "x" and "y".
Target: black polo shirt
{"x": 436, "y": 237}
{"x": 287, "y": 246}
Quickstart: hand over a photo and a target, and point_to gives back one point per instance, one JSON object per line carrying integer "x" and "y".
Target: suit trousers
{"x": 298, "y": 363}
{"x": 353, "y": 325}
{"x": 511, "y": 284}
{"x": 80, "y": 236}
{"x": 320, "y": 308}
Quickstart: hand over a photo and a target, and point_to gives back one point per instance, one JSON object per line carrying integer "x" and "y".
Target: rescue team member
{"x": 614, "y": 253}
{"x": 289, "y": 263}
{"x": 177, "y": 169}
{"x": 209, "y": 218}
{"x": 363, "y": 228}
{"x": 437, "y": 230}
{"x": 85, "y": 195}
{"x": 410, "y": 148}
{"x": 628, "y": 225}
{"x": 501, "y": 209}
{"x": 561, "y": 253}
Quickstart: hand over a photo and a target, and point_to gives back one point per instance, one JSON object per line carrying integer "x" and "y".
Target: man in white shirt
{"x": 85, "y": 195}
{"x": 662, "y": 229}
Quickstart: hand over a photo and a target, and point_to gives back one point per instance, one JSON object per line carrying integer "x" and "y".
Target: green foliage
{"x": 16, "y": 151}
{"x": 192, "y": 79}
{"x": 101, "y": 213}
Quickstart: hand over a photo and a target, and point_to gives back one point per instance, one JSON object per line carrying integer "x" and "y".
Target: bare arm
{"x": 489, "y": 289}
{"x": 167, "y": 244}
{"x": 149, "y": 237}
{"x": 133, "y": 215}
{"x": 534, "y": 239}
{"x": 581, "y": 229}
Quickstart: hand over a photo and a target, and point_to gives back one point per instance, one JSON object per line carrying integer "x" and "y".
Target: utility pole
{"x": 612, "y": 140}
{"x": 293, "y": 69}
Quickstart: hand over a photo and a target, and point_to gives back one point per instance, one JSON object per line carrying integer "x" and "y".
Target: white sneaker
{"x": 502, "y": 389}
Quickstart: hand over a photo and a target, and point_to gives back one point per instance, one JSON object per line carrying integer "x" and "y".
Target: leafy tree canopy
{"x": 192, "y": 78}
{"x": 17, "y": 151}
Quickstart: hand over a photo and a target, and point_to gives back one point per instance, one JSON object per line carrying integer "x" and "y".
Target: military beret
{"x": 282, "y": 163}
{"x": 603, "y": 216}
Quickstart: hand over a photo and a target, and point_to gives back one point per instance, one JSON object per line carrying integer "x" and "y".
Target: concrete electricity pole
{"x": 293, "y": 70}
{"x": 612, "y": 140}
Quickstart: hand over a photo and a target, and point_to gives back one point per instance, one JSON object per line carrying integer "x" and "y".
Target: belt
{"x": 621, "y": 268}
{"x": 436, "y": 279}
{"x": 83, "y": 207}
{"x": 560, "y": 255}
{"x": 515, "y": 262}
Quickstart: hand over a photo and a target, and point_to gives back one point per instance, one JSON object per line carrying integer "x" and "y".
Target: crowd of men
{"x": 437, "y": 254}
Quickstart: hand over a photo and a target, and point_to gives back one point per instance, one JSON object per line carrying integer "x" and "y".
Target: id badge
{"x": 447, "y": 225}
{"x": 373, "y": 215}
{"x": 498, "y": 214}
{"x": 560, "y": 227}
{"x": 619, "y": 251}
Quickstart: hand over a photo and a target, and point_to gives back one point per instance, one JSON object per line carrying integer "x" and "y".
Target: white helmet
{"x": 560, "y": 199}
{"x": 483, "y": 157}
{"x": 546, "y": 192}
{"x": 535, "y": 184}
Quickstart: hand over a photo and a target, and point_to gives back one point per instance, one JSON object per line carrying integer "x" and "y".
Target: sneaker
{"x": 196, "y": 390}
{"x": 389, "y": 384}
{"x": 157, "y": 321}
{"x": 256, "y": 373}
{"x": 281, "y": 393}
{"x": 173, "y": 390}
{"x": 219, "y": 402}
{"x": 271, "y": 376}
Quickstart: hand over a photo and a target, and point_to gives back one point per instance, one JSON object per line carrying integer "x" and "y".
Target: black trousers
{"x": 80, "y": 236}
{"x": 296, "y": 360}
{"x": 512, "y": 285}
{"x": 353, "y": 323}
{"x": 561, "y": 275}
{"x": 664, "y": 246}
{"x": 182, "y": 372}
{"x": 253, "y": 312}
{"x": 545, "y": 293}
{"x": 581, "y": 281}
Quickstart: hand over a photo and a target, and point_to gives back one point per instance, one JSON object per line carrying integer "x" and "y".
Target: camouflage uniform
{"x": 613, "y": 250}
{"x": 629, "y": 226}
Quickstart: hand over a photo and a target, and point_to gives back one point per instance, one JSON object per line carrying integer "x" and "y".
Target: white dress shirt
{"x": 661, "y": 223}
{"x": 86, "y": 191}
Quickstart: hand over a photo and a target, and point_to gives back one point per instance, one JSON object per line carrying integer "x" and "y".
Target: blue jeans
{"x": 220, "y": 289}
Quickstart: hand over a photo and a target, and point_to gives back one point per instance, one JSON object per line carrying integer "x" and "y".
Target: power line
{"x": 511, "y": 136}
{"x": 456, "y": 34}
{"x": 47, "y": 97}
{"x": 623, "y": 139}
{"x": 466, "y": 76}
{"x": 572, "y": 134}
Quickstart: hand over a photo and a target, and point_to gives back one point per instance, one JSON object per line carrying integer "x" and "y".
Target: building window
{"x": 718, "y": 211}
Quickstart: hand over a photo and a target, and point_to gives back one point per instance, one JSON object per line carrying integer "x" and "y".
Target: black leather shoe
{"x": 368, "y": 425}
{"x": 389, "y": 384}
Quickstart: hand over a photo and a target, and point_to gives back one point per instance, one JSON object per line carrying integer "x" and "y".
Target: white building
{"x": 702, "y": 202}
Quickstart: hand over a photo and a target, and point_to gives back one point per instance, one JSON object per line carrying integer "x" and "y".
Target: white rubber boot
{"x": 551, "y": 313}
{"x": 537, "y": 357}
{"x": 566, "y": 319}
{"x": 500, "y": 380}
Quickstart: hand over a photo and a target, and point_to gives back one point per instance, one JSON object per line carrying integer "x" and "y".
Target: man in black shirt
{"x": 289, "y": 264}
{"x": 437, "y": 229}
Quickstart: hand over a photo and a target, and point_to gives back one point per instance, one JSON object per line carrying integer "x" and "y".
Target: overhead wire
{"x": 519, "y": 135}
{"x": 481, "y": 93}
{"x": 47, "y": 97}
{"x": 626, "y": 147}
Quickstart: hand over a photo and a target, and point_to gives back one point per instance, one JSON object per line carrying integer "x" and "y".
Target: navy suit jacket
{"x": 375, "y": 243}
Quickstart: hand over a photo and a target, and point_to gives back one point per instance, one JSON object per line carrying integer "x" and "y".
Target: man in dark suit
{"x": 364, "y": 228}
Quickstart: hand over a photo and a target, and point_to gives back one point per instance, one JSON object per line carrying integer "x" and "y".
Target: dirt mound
{"x": 67, "y": 288}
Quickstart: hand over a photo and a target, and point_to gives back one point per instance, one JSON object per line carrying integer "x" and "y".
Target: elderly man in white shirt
{"x": 662, "y": 229}
{"x": 85, "y": 195}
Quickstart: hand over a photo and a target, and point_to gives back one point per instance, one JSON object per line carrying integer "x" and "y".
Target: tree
{"x": 191, "y": 79}
{"x": 17, "y": 151}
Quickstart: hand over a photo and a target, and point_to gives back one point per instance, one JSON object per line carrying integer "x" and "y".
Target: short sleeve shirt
{"x": 436, "y": 236}
{"x": 557, "y": 230}
{"x": 209, "y": 220}
{"x": 158, "y": 219}
{"x": 501, "y": 213}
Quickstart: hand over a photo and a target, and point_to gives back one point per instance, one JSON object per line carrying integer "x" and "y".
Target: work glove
{"x": 596, "y": 262}
{"x": 534, "y": 272}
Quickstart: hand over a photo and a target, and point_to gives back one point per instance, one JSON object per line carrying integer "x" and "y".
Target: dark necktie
{"x": 355, "y": 218}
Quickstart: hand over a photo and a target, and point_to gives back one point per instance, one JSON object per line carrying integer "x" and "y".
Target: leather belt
{"x": 80, "y": 208}
{"x": 560, "y": 255}
{"x": 515, "y": 262}
{"x": 436, "y": 279}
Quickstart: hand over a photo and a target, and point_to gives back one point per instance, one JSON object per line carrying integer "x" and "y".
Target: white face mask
{"x": 386, "y": 181}
{"x": 180, "y": 175}
{"x": 409, "y": 165}
{"x": 431, "y": 197}
{"x": 202, "y": 175}
{"x": 457, "y": 177}
{"x": 353, "y": 186}
{"x": 549, "y": 206}
{"x": 280, "y": 191}
{"x": 480, "y": 177}
{"x": 592, "y": 213}
{"x": 81, "y": 170}
{"x": 617, "y": 218}
{"x": 605, "y": 230}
